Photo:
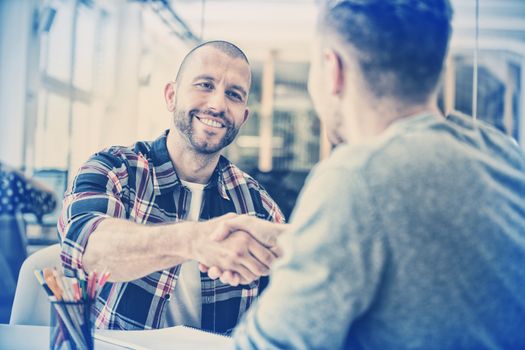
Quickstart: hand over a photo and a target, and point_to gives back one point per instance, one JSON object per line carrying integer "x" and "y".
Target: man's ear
{"x": 246, "y": 115}
{"x": 335, "y": 71}
{"x": 169, "y": 96}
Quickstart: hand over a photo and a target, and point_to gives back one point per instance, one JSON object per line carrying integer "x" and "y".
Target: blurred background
{"x": 79, "y": 75}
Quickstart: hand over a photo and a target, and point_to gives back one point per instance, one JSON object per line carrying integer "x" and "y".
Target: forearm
{"x": 130, "y": 251}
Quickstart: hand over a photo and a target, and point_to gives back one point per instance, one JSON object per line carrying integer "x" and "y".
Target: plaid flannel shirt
{"x": 139, "y": 184}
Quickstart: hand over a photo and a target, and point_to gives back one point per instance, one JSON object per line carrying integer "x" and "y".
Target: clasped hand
{"x": 239, "y": 249}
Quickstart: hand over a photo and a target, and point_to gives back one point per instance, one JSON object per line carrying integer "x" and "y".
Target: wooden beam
{"x": 450, "y": 85}
{"x": 508, "y": 110}
{"x": 266, "y": 120}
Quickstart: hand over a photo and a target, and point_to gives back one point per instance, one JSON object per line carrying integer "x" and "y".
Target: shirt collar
{"x": 165, "y": 178}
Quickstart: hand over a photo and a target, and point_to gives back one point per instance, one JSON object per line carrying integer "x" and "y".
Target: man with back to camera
{"x": 411, "y": 234}
{"x": 110, "y": 211}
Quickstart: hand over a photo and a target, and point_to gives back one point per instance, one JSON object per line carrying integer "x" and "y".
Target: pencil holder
{"x": 71, "y": 325}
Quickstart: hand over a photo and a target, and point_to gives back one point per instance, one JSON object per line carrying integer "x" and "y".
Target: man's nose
{"x": 217, "y": 101}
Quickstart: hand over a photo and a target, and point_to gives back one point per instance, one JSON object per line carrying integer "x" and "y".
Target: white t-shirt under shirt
{"x": 185, "y": 307}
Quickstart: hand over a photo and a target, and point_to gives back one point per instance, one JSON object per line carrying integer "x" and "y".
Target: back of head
{"x": 401, "y": 44}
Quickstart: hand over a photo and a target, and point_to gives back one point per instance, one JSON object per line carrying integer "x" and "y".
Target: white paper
{"x": 178, "y": 337}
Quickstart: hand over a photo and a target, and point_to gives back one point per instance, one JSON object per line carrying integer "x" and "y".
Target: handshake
{"x": 237, "y": 249}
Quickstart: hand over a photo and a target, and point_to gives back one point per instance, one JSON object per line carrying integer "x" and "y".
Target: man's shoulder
{"x": 386, "y": 155}
{"x": 492, "y": 140}
{"x": 236, "y": 177}
{"x": 239, "y": 175}
{"x": 354, "y": 158}
{"x": 412, "y": 140}
{"x": 418, "y": 148}
{"x": 131, "y": 155}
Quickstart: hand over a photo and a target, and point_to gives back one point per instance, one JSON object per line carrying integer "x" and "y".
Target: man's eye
{"x": 234, "y": 95}
{"x": 205, "y": 85}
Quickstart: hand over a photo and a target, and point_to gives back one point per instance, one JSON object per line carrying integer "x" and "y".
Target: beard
{"x": 334, "y": 131}
{"x": 204, "y": 143}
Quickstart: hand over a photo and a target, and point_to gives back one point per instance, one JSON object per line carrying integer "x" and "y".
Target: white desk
{"x": 19, "y": 337}
{"x": 34, "y": 337}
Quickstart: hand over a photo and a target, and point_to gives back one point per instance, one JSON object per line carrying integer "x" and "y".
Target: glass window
{"x": 52, "y": 132}
{"x": 56, "y": 45}
{"x": 499, "y": 84}
{"x": 80, "y": 136}
{"x": 84, "y": 48}
{"x": 105, "y": 55}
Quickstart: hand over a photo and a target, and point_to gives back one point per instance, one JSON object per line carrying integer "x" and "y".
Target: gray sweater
{"x": 415, "y": 240}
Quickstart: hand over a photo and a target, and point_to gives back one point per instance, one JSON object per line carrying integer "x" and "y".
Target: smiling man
{"x": 112, "y": 211}
{"x": 208, "y": 122}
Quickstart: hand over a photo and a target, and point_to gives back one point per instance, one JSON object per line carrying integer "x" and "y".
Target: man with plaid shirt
{"x": 136, "y": 210}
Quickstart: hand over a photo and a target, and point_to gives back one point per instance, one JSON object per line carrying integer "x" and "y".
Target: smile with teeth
{"x": 209, "y": 122}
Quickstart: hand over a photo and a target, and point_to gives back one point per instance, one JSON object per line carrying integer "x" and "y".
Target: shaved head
{"x": 223, "y": 46}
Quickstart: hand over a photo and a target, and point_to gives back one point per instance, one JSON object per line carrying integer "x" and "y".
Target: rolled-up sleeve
{"x": 95, "y": 194}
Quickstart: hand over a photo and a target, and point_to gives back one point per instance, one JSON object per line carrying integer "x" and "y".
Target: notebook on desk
{"x": 178, "y": 337}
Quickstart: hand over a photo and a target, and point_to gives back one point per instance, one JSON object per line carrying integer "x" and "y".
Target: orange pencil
{"x": 52, "y": 283}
